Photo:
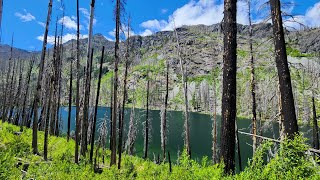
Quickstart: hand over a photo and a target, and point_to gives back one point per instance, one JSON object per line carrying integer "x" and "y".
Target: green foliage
{"x": 296, "y": 53}
{"x": 242, "y": 53}
{"x": 291, "y": 162}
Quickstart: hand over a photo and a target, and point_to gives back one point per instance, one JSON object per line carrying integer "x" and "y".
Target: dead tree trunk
{"x": 17, "y": 104}
{"x": 229, "y": 86}
{"x": 164, "y": 116}
{"x": 111, "y": 105}
{"x": 85, "y": 119}
{"x": 287, "y": 101}
{"x": 25, "y": 96}
{"x": 185, "y": 92}
{"x": 70, "y": 101}
{"x": 12, "y": 91}
{"x": 78, "y": 89}
{"x": 37, "y": 93}
{"x": 55, "y": 90}
{"x": 96, "y": 107}
{"x": 46, "y": 131}
{"x": 214, "y": 129}
{"x": 315, "y": 126}
{"x": 253, "y": 83}
{"x": 146, "y": 132}
{"x": 115, "y": 85}
{"x": 124, "y": 97}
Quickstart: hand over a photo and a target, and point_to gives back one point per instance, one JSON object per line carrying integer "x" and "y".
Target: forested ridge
{"x": 262, "y": 72}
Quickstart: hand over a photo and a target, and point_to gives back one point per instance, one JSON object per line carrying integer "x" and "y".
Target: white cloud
{"x": 65, "y": 38}
{"x": 25, "y": 16}
{"x": 154, "y": 24}
{"x": 313, "y": 15}
{"x": 68, "y": 23}
{"x": 41, "y": 24}
{"x": 310, "y": 18}
{"x": 146, "y": 32}
{"x": 205, "y": 12}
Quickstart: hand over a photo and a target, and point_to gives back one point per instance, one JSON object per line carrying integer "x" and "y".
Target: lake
{"x": 200, "y": 132}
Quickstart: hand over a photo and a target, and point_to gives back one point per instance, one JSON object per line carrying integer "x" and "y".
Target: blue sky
{"x": 25, "y": 18}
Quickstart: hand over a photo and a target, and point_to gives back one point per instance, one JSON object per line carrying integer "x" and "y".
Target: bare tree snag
{"x": 287, "y": 101}
{"x": 229, "y": 86}
{"x": 96, "y": 106}
{"x": 115, "y": 84}
{"x": 76, "y": 157}
{"x": 37, "y": 93}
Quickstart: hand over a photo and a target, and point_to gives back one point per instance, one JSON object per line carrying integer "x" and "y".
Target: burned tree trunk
{"x": 37, "y": 93}
{"x": 315, "y": 126}
{"x": 229, "y": 86}
{"x": 46, "y": 131}
{"x": 85, "y": 119}
{"x": 25, "y": 96}
{"x": 76, "y": 158}
{"x": 111, "y": 105}
{"x": 214, "y": 126}
{"x": 115, "y": 85}
{"x": 70, "y": 101}
{"x": 96, "y": 107}
{"x": 146, "y": 132}
{"x": 185, "y": 92}
{"x": 55, "y": 80}
{"x": 132, "y": 132}
{"x": 124, "y": 99}
{"x": 253, "y": 83}
{"x": 164, "y": 116}
{"x": 287, "y": 101}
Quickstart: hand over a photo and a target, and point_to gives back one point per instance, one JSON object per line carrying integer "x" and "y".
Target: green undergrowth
{"x": 290, "y": 163}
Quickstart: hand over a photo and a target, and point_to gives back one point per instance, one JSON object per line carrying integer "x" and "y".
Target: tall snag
{"x": 124, "y": 99}
{"x": 185, "y": 92}
{"x": 76, "y": 157}
{"x": 25, "y": 96}
{"x": 146, "y": 132}
{"x": 85, "y": 119}
{"x": 38, "y": 87}
{"x": 315, "y": 126}
{"x": 214, "y": 124}
{"x": 96, "y": 107}
{"x": 70, "y": 101}
{"x": 252, "y": 83}
{"x": 229, "y": 86}
{"x": 115, "y": 84}
{"x": 287, "y": 101}
{"x": 47, "y": 119}
{"x": 164, "y": 115}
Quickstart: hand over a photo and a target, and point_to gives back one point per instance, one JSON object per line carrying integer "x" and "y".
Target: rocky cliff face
{"x": 202, "y": 51}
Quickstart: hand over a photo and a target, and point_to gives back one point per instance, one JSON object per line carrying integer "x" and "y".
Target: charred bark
{"x": 229, "y": 86}
{"x": 96, "y": 107}
{"x": 287, "y": 101}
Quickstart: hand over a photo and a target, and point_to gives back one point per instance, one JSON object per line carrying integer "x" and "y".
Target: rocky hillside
{"x": 202, "y": 50}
